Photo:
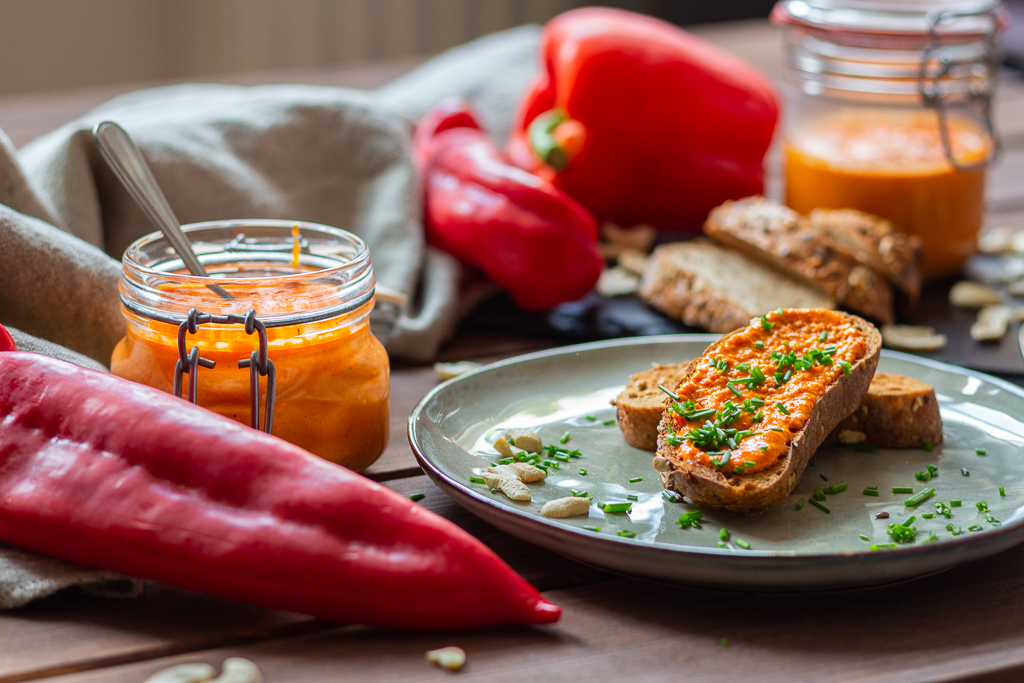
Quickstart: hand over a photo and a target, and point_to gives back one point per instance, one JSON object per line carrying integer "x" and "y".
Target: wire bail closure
{"x": 980, "y": 96}
{"x": 258, "y": 362}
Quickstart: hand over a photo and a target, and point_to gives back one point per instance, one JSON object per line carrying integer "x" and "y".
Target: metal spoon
{"x": 126, "y": 160}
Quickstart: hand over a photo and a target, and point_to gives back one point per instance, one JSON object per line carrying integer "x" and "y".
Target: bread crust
{"x": 638, "y": 407}
{"x": 776, "y": 235}
{"x": 897, "y": 412}
{"x": 749, "y": 494}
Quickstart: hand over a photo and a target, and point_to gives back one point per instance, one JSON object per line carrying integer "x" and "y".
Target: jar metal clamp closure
{"x": 982, "y": 85}
{"x": 258, "y": 362}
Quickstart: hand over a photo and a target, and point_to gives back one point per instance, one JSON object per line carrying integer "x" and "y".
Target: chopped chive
{"x": 1002, "y": 491}
{"x": 956, "y": 503}
{"x": 864, "y": 537}
{"x": 777, "y": 429}
{"x": 565, "y": 438}
{"x": 734, "y": 390}
{"x": 953, "y": 529}
{"x": 582, "y": 471}
{"x": 846, "y": 367}
{"x": 635, "y": 480}
{"x": 923, "y": 475}
{"x": 929, "y": 446}
{"x": 800, "y": 504}
{"x": 975, "y": 527}
{"x": 818, "y": 505}
{"x": 741, "y": 543}
{"x": 933, "y": 470}
{"x": 670, "y": 496}
{"x": 691, "y": 518}
{"x": 765, "y": 325}
{"x": 870, "y": 491}
{"x": 417, "y": 496}
{"x": 883, "y": 546}
{"x": 819, "y": 494}
{"x": 477, "y": 480}
{"x": 823, "y": 477}
{"x": 964, "y": 471}
{"x": 722, "y": 544}
{"x": 764, "y": 448}
{"x": 927, "y": 515}
{"x": 982, "y": 506}
{"x": 608, "y": 423}
{"x": 626, "y": 533}
{"x": 782, "y": 408}
{"x": 836, "y": 488}
{"x": 931, "y": 538}
{"x": 617, "y": 507}
{"x": 723, "y": 642}
{"x": 823, "y": 336}
{"x": 759, "y": 344}
{"x": 902, "y": 489}
{"x": 590, "y": 418}
{"x": 723, "y": 534}
{"x": 980, "y": 451}
{"x": 632, "y": 496}
{"x": 494, "y": 490}
{"x": 506, "y": 461}
{"x": 672, "y": 394}
{"x": 749, "y": 463}
{"x": 919, "y": 497}
{"x": 592, "y": 528}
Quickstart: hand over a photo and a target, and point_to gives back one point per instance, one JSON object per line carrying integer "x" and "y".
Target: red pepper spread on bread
{"x": 740, "y": 407}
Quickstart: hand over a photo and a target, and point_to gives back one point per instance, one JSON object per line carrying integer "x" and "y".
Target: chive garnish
{"x": 927, "y": 515}
{"x": 846, "y": 367}
{"x": 691, "y": 518}
{"x": 975, "y": 527}
{"x": 592, "y": 528}
{"x": 617, "y": 507}
{"x": 823, "y": 336}
{"x": 800, "y": 504}
{"x": 819, "y": 505}
{"x": 417, "y": 496}
{"x": 765, "y": 325}
{"x": 477, "y": 480}
{"x": 632, "y": 496}
{"x": 608, "y": 423}
{"x": 902, "y": 489}
{"x": 964, "y": 471}
{"x": 626, "y": 533}
{"x": 929, "y": 446}
{"x": 933, "y": 470}
{"x": 836, "y": 488}
{"x": 782, "y": 408}
{"x": 981, "y": 451}
{"x": 741, "y": 543}
{"x": 924, "y": 475}
{"x": 723, "y": 534}
{"x": 864, "y": 537}
{"x": 749, "y": 463}
{"x": 582, "y": 471}
{"x": 1002, "y": 491}
{"x": 870, "y": 491}
{"x": 672, "y": 394}
{"x": 819, "y": 494}
{"x": 565, "y": 437}
{"x": 982, "y": 506}
{"x": 670, "y": 496}
{"x": 635, "y": 480}
{"x": 759, "y": 344}
{"x": 919, "y": 497}
{"x": 883, "y": 546}
{"x": 734, "y": 390}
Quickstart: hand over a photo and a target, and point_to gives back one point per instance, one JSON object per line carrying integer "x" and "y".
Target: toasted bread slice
{"x": 714, "y": 488}
{"x": 776, "y": 235}
{"x": 876, "y": 243}
{"x": 708, "y": 286}
{"x": 897, "y": 412}
{"x": 639, "y": 406}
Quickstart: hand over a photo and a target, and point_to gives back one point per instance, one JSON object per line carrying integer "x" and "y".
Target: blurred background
{"x": 59, "y": 44}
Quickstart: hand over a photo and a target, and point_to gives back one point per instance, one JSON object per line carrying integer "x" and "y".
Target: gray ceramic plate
{"x": 554, "y": 392}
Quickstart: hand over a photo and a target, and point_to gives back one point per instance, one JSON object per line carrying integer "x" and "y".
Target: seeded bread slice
{"x": 876, "y": 243}
{"x": 639, "y": 406}
{"x": 897, "y": 412}
{"x": 749, "y": 494}
{"x": 776, "y": 235}
{"x": 717, "y": 289}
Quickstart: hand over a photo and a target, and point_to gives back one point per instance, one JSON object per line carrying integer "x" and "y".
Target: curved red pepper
{"x": 114, "y": 474}
{"x": 642, "y": 122}
{"x": 6, "y": 341}
{"x": 524, "y": 233}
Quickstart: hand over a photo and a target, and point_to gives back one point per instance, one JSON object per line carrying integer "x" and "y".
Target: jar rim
{"x": 909, "y": 18}
{"x": 350, "y": 278}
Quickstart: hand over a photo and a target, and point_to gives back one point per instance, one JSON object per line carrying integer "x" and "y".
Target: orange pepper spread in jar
{"x": 743, "y": 403}
{"x": 332, "y": 395}
{"x": 893, "y": 164}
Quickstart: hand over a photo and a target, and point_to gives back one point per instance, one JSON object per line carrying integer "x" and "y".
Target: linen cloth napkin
{"x": 326, "y": 155}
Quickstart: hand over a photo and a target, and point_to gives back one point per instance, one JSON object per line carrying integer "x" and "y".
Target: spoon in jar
{"x": 126, "y": 161}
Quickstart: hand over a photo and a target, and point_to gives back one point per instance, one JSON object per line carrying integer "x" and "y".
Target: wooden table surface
{"x": 965, "y": 624}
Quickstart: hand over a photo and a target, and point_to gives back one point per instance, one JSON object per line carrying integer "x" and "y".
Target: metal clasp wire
{"x": 258, "y": 362}
{"x": 928, "y": 84}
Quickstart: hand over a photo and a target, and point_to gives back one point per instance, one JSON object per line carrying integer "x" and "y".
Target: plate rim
{"x": 759, "y": 556}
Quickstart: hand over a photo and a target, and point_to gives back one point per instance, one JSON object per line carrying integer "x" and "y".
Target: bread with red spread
{"x": 780, "y": 446}
{"x": 779, "y": 237}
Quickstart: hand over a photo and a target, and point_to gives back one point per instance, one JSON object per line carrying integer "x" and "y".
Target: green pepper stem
{"x": 541, "y": 135}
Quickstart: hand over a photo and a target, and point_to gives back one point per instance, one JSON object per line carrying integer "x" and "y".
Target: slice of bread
{"x": 717, "y": 289}
{"x": 751, "y": 493}
{"x": 876, "y": 243}
{"x": 776, "y": 235}
{"x": 897, "y": 412}
{"x": 639, "y": 406}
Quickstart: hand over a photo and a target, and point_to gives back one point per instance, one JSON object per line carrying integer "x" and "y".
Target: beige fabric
{"x": 326, "y": 155}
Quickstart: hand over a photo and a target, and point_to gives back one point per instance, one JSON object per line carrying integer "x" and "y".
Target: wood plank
{"x": 963, "y": 624}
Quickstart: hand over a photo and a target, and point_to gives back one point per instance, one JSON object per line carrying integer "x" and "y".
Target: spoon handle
{"x": 125, "y": 159}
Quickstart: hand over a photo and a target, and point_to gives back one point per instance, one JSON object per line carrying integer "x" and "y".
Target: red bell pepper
{"x": 6, "y": 341}
{"x": 524, "y": 233}
{"x": 642, "y": 122}
{"x": 103, "y": 471}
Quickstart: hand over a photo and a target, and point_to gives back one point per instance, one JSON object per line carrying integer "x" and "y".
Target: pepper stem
{"x": 555, "y": 138}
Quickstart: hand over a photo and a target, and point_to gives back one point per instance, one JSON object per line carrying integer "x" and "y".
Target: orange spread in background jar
{"x": 741, "y": 407}
{"x": 893, "y": 164}
{"x": 332, "y": 388}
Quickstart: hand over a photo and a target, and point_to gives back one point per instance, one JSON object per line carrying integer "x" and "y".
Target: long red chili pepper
{"x": 114, "y": 474}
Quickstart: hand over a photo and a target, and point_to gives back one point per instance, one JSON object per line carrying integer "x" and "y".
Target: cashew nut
{"x": 239, "y": 670}
{"x": 996, "y": 241}
{"x": 507, "y": 480}
{"x": 566, "y": 507}
{"x": 967, "y": 294}
{"x": 527, "y": 472}
{"x": 184, "y": 673}
{"x": 501, "y": 445}
{"x": 992, "y": 323}
{"x": 524, "y": 440}
{"x": 633, "y": 260}
{"x": 616, "y": 281}
{"x": 452, "y": 370}
{"x": 912, "y": 338}
{"x": 451, "y": 658}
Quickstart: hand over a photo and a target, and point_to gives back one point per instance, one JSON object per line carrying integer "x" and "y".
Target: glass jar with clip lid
{"x": 281, "y": 341}
{"x": 889, "y": 110}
